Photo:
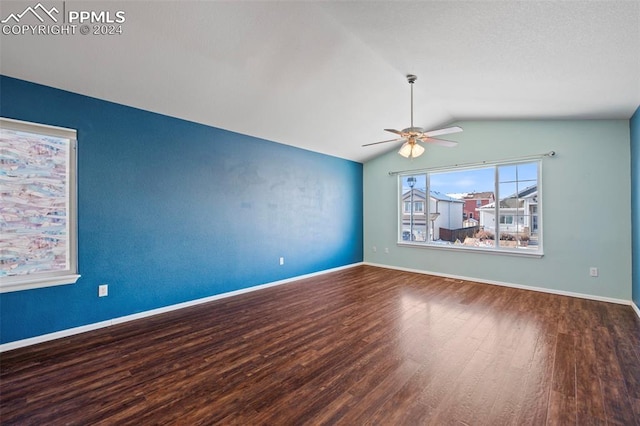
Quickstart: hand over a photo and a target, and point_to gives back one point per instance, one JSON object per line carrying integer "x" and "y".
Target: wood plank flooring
{"x": 364, "y": 345}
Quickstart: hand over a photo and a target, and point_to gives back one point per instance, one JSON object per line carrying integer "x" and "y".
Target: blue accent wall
{"x": 171, "y": 211}
{"x": 634, "y": 123}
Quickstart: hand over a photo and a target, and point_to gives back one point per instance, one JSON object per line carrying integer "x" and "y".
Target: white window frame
{"x": 496, "y": 249}
{"x": 70, "y": 274}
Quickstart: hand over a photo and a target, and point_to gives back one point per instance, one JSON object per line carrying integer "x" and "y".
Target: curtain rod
{"x": 479, "y": 163}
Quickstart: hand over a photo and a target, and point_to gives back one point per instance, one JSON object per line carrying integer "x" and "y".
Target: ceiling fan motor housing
{"x": 412, "y": 130}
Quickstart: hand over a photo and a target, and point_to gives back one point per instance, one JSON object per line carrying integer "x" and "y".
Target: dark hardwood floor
{"x": 364, "y": 345}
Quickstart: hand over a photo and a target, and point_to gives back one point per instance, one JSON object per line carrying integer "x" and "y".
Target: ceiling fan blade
{"x": 441, "y": 142}
{"x": 397, "y": 132}
{"x": 438, "y": 132}
{"x": 390, "y": 140}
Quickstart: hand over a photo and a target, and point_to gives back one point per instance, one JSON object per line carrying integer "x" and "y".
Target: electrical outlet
{"x": 281, "y": 261}
{"x": 386, "y": 249}
{"x": 593, "y": 271}
{"x": 103, "y": 290}
{"x": 374, "y": 249}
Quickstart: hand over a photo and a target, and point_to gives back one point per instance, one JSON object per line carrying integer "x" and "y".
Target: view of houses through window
{"x": 457, "y": 207}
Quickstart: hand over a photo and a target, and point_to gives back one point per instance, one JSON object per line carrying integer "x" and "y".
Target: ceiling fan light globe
{"x": 405, "y": 150}
{"x": 417, "y": 150}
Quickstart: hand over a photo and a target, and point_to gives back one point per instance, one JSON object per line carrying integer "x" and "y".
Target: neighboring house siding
{"x": 474, "y": 201}
{"x": 449, "y": 215}
{"x": 517, "y": 218}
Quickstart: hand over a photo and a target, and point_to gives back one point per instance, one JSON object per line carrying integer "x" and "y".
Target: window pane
{"x": 461, "y": 210}
{"x": 413, "y": 227}
{"x": 456, "y": 199}
{"x": 34, "y": 190}
{"x": 463, "y": 181}
{"x": 38, "y": 239}
{"x": 518, "y": 189}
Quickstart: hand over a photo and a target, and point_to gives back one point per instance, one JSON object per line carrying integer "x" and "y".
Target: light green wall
{"x": 586, "y": 205}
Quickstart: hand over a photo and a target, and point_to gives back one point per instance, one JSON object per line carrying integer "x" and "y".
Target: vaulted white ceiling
{"x": 330, "y": 76}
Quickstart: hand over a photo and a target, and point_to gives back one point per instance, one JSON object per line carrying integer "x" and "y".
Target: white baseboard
{"x": 635, "y": 308}
{"x": 504, "y": 284}
{"x": 119, "y": 320}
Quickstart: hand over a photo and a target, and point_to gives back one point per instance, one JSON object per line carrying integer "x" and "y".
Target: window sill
{"x": 495, "y": 251}
{"x": 10, "y": 284}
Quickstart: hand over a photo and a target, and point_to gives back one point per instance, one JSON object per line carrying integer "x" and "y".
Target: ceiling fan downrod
{"x": 411, "y": 79}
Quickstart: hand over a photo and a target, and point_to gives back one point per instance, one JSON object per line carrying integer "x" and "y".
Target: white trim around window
{"x": 39, "y": 209}
{"x": 511, "y": 224}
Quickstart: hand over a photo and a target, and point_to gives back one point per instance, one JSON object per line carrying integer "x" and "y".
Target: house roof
{"x": 530, "y": 190}
{"x": 434, "y": 194}
{"x": 487, "y": 195}
{"x": 443, "y": 197}
{"x": 514, "y": 200}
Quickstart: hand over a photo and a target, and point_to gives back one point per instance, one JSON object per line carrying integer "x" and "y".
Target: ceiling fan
{"x": 412, "y": 135}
